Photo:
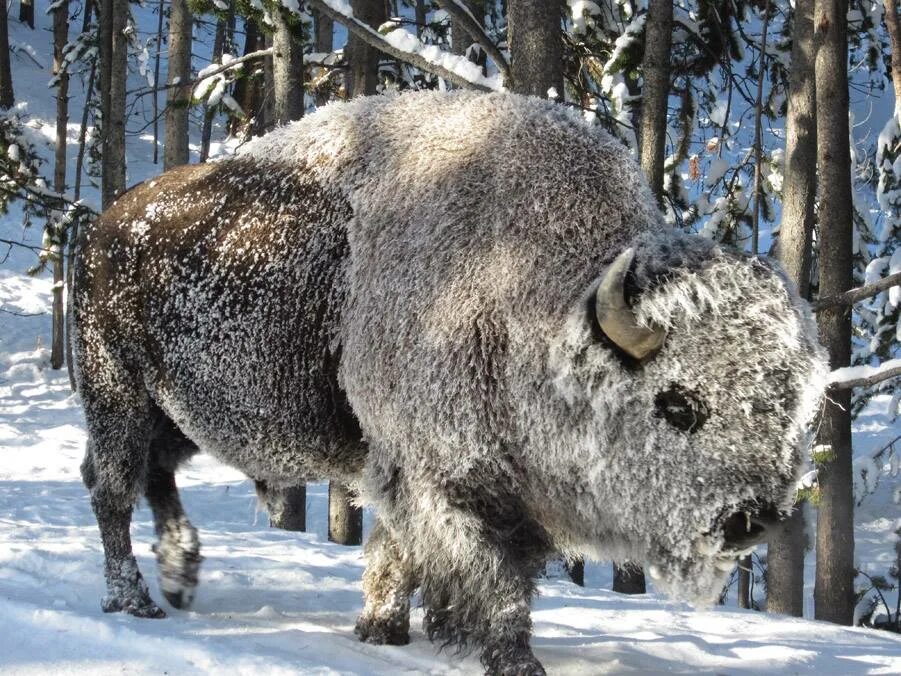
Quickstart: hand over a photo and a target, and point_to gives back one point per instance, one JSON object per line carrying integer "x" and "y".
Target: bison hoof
{"x": 144, "y": 607}
{"x": 179, "y": 566}
{"x": 518, "y": 665}
{"x": 382, "y": 632}
{"x": 181, "y": 599}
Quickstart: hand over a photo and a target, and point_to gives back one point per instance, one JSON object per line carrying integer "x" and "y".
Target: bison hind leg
{"x": 111, "y": 471}
{"x": 178, "y": 549}
{"x": 387, "y": 585}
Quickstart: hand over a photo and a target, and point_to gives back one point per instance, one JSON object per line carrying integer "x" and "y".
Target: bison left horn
{"x": 616, "y": 318}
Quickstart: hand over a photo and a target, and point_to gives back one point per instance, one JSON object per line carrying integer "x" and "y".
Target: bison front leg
{"x": 480, "y": 559}
{"x": 387, "y": 585}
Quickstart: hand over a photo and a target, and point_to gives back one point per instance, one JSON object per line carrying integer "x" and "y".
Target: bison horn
{"x": 616, "y": 318}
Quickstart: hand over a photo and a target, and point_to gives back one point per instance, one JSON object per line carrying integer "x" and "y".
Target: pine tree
{"x": 6, "y": 79}
{"x": 535, "y": 36}
{"x": 785, "y": 551}
{"x": 178, "y": 96}
{"x": 834, "y": 588}
{"x": 113, "y": 75}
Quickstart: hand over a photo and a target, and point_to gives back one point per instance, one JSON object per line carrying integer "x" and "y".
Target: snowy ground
{"x": 275, "y": 602}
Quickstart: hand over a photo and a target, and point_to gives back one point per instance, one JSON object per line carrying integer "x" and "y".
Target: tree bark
{"x": 156, "y": 82}
{"x": 60, "y": 37}
{"x": 744, "y": 582}
{"x": 461, "y": 39}
{"x": 26, "y": 12}
{"x": 113, "y": 74}
{"x": 786, "y": 546}
{"x": 345, "y": 521}
{"x": 287, "y": 72}
{"x": 206, "y": 131}
{"x": 363, "y": 60}
{"x": 629, "y": 579}
{"x": 834, "y": 587}
{"x": 325, "y": 29}
{"x": 246, "y": 89}
{"x": 535, "y": 37}
{"x": 178, "y": 99}
{"x": 7, "y": 98}
{"x": 894, "y": 31}
{"x": 288, "y": 508}
{"x": 655, "y": 92}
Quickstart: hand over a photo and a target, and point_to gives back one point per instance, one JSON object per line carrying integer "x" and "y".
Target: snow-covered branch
{"x": 860, "y": 293}
{"x": 406, "y": 47}
{"x": 863, "y": 376}
{"x": 463, "y": 18}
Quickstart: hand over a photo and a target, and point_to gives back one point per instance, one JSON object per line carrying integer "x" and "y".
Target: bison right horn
{"x": 616, "y": 318}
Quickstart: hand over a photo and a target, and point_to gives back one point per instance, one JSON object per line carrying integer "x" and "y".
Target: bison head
{"x": 683, "y": 383}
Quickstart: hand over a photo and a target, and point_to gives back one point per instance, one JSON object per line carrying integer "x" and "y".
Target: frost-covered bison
{"x": 468, "y": 307}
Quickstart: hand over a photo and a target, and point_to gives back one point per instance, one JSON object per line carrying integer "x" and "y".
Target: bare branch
{"x": 852, "y": 296}
{"x": 463, "y": 18}
{"x": 377, "y": 41}
{"x": 259, "y": 54}
{"x": 21, "y": 314}
{"x": 13, "y": 243}
{"x": 864, "y": 376}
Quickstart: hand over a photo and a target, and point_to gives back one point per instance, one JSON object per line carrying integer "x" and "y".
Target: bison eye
{"x": 681, "y": 408}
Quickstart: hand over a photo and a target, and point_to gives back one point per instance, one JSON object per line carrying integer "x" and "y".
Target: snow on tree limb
{"x": 461, "y": 15}
{"x": 851, "y": 296}
{"x": 863, "y": 376}
{"x": 407, "y": 47}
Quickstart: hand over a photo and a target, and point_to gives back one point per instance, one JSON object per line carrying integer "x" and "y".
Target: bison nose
{"x": 747, "y": 528}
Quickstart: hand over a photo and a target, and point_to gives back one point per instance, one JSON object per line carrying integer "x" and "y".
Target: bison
{"x": 469, "y": 308}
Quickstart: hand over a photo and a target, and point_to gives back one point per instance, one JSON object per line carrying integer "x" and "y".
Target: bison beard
{"x": 468, "y": 308}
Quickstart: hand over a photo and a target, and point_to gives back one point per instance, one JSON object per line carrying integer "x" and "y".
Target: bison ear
{"x": 616, "y": 318}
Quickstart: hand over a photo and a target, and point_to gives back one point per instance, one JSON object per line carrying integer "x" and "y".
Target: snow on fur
{"x": 397, "y": 291}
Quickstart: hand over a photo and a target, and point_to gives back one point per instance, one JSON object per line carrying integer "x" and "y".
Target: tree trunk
{"x": 60, "y": 37}
{"x": 206, "y": 131}
{"x": 345, "y": 521}
{"x": 26, "y": 12}
{"x": 288, "y": 508}
{"x": 744, "y": 582}
{"x": 76, "y": 192}
{"x": 655, "y": 92}
{"x": 156, "y": 83}
{"x": 246, "y": 89}
{"x": 786, "y": 547}
{"x": 834, "y": 588}
{"x": 461, "y": 40}
{"x": 264, "y": 119}
{"x": 419, "y": 12}
{"x": 178, "y": 99}
{"x": 113, "y": 74}
{"x": 363, "y": 60}
{"x": 629, "y": 579}
{"x": 287, "y": 72}
{"x": 6, "y": 78}
{"x": 535, "y": 36}
{"x": 325, "y": 29}
{"x": 894, "y": 32}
